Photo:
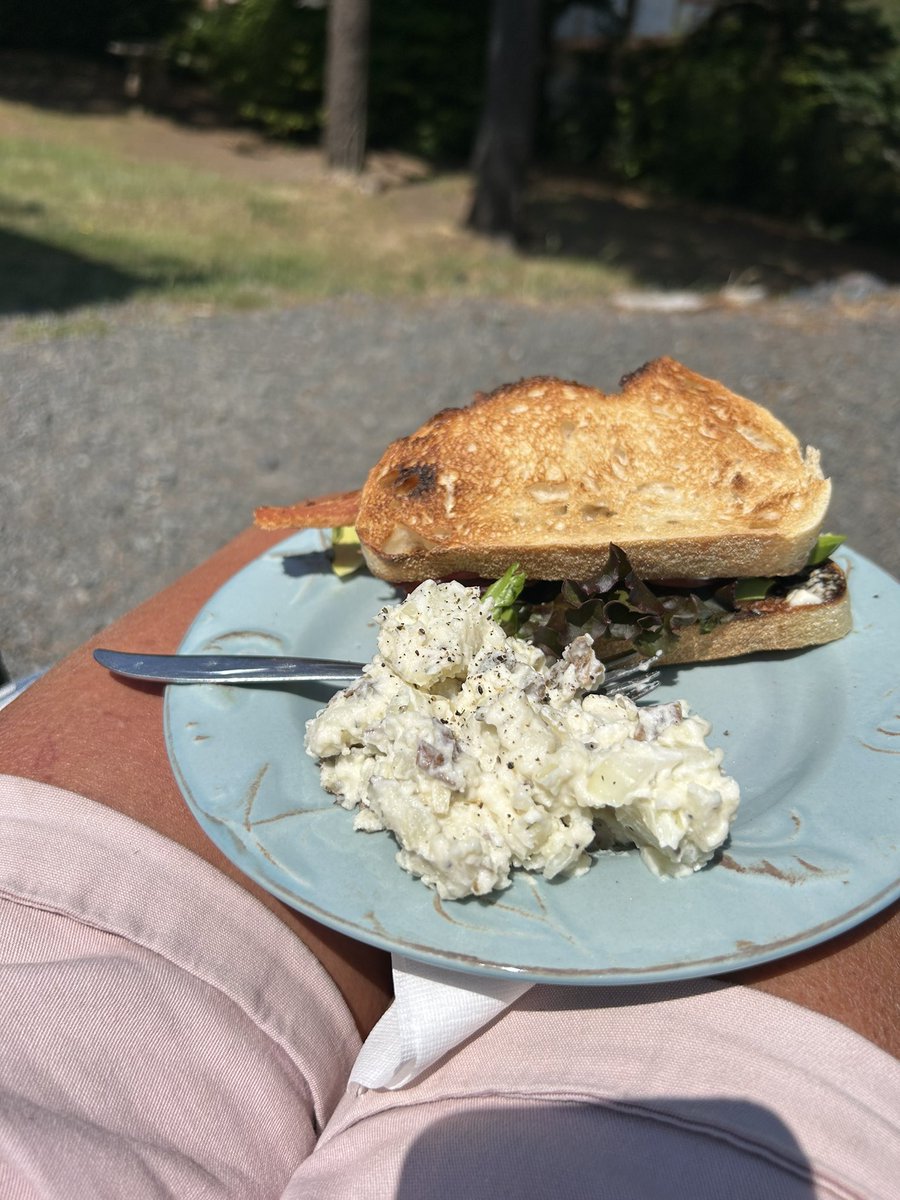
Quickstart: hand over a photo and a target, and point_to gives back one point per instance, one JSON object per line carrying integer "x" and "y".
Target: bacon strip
{"x": 337, "y": 508}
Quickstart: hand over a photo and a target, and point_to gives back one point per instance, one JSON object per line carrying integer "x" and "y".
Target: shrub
{"x": 788, "y": 108}
{"x": 265, "y": 59}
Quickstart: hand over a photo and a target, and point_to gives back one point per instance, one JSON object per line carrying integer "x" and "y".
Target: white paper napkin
{"x": 433, "y": 1011}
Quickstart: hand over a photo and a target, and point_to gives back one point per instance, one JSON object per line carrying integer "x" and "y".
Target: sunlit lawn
{"x": 87, "y": 217}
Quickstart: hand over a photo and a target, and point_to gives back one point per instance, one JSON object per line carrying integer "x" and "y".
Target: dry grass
{"x": 98, "y": 208}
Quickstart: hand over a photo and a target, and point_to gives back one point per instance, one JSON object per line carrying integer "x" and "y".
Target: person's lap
{"x": 161, "y": 1029}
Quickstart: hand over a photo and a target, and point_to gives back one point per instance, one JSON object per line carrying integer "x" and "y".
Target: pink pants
{"x": 162, "y": 1034}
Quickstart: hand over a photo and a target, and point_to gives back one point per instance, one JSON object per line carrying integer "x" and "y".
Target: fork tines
{"x": 637, "y": 688}
{"x": 632, "y": 676}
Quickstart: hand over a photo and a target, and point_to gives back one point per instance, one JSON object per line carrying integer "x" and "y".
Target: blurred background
{"x": 245, "y": 243}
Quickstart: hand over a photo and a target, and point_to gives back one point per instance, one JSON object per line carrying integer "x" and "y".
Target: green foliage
{"x": 427, "y": 74}
{"x": 790, "y": 109}
{"x": 263, "y": 58}
{"x": 266, "y": 60}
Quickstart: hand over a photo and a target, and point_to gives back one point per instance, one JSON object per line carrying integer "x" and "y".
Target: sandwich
{"x": 673, "y": 517}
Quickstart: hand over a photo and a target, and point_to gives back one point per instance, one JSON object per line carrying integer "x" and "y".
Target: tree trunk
{"x": 504, "y": 143}
{"x": 346, "y": 84}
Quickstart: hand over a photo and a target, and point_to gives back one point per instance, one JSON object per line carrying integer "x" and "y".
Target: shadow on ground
{"x": 37, "y": 277}
{"x": 665, "y": 243}
{"x": 69, "y": 84}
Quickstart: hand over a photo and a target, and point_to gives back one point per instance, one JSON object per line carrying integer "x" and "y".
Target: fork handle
{"x": 226, "y": 668}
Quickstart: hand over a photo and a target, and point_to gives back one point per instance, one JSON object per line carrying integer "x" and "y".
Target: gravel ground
{"x": 128, "y": 456}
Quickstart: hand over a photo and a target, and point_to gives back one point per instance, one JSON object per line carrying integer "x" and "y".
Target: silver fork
{"x": 629, "y": 675}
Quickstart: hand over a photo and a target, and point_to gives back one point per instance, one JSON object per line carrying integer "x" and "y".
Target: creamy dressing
{"x": 481, "y": 756}
{"x": 819, "y": 588}
{"x": 803, "y": 597}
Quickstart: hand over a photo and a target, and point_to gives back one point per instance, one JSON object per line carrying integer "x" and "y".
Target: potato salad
{"x": 481, "y": 756}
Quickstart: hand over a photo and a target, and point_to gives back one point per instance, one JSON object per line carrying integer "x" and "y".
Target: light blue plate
{"x": 812, "y": 737}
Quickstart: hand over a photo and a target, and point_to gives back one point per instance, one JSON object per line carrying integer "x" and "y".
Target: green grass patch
{"x": 86, "y": 218}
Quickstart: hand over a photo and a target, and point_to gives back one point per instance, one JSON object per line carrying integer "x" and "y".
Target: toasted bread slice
{"x": 688, "y": 478}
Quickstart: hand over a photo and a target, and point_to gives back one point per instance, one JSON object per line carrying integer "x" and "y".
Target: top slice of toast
{"x": 691, "y": 480}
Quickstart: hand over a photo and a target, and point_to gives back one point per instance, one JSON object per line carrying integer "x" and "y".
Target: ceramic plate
{"x": 812, "y": 737}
